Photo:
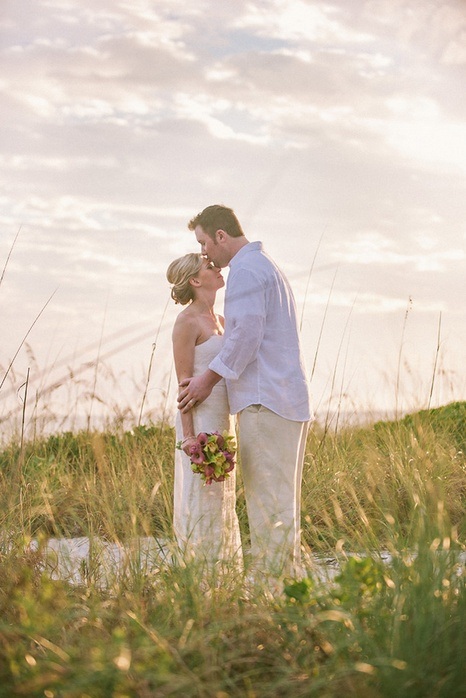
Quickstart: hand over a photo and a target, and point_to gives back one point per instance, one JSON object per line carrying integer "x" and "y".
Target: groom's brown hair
{"x": 217, "y": 217}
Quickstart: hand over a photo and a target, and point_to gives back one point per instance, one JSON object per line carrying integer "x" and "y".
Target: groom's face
{"x": 212, "y": 249}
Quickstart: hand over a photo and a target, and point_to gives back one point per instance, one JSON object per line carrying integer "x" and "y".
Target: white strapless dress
{"x": 204, "y": 517}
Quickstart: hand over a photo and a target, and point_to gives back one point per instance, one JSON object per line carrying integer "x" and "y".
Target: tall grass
{"x": 386, "y": 501}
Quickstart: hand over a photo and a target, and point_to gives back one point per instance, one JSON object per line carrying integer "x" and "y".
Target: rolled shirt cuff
{"x": 219, "y": 367}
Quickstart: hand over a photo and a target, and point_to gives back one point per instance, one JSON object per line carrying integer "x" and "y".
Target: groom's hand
{"x": 192, "y": 393}
{"x": 195, "y": 390}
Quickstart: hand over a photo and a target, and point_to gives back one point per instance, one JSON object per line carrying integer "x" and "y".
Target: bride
{"x": 205, "y": 521}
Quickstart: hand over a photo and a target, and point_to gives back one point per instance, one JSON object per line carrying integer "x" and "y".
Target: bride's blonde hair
{"x": 180, "y": 272}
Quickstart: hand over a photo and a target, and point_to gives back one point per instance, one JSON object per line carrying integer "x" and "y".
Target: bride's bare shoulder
{"x": 186, "y": 325}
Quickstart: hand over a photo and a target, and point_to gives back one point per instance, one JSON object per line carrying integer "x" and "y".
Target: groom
{"x": 266, "y": 382}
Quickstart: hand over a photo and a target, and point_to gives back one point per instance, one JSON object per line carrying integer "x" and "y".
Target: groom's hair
{"x": 217, "y": 217}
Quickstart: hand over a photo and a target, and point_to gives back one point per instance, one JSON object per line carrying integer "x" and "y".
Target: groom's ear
{"x": 221, "y": 234}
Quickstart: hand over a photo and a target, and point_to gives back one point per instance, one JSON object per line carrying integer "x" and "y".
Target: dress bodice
{"x": 213, "y": 414}
{"x": 205, "y": 352}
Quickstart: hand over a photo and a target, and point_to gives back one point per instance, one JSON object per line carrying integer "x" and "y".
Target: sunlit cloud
{"x": 298, "y": 20}
{"x": 373, "y": 248}
{"x": 222, "y": 118}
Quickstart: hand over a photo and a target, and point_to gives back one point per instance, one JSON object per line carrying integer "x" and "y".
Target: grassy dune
{"x": 383, "y": 628}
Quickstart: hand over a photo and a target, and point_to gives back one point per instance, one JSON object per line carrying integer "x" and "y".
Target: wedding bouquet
{"x": 212, "y": 456}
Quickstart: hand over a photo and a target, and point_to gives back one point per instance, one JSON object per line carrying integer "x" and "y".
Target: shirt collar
{"x": 250, "y": 247}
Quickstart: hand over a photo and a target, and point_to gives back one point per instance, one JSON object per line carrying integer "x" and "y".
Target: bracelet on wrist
{"x": 187, "y": 438}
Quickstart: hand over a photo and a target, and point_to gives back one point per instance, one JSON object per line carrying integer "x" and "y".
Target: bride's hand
{"x": 187, "y": 443}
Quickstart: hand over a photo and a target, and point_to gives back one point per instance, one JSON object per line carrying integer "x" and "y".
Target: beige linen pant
{"x": 272, "y": 454}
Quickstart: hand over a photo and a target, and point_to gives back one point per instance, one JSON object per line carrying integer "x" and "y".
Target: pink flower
{"x": 196, "y": 455}
{"x": 220, "y": 439}
{"x": 202, "y": 438}
{"x": 209, "y": 474}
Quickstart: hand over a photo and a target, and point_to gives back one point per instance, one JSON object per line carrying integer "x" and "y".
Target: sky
{"x": 335, "y": 129}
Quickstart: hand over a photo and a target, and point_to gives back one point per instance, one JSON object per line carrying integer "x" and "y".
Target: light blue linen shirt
{"x": 261, "y": 357}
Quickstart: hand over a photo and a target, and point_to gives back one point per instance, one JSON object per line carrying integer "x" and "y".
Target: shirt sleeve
{"x": 245, "y": 313}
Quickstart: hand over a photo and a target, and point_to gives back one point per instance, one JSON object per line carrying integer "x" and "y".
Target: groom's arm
{"x": 245, "y": 312}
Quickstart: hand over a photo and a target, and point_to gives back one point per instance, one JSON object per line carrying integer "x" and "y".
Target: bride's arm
{"x": 185, "y": 334}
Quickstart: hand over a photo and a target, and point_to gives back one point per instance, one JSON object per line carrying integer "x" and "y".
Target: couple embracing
{"x": 249, "y": 366}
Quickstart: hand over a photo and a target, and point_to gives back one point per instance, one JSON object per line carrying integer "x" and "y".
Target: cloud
{"x": 340, "y": 119}
{"x": 296, "y": 20}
